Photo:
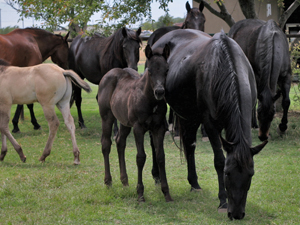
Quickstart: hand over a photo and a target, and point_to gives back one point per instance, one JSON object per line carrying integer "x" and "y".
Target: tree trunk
{"x": 286, "y": 14}
{"x": 248, "y": 8}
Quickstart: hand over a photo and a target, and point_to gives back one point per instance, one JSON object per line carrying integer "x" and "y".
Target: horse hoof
{"x": 76, "y": 162}
{"x": 16, "y": 131}
{"x": 196, "y": 189}
{"x": 205, "y": 139}
{"x": 141, "y": 199}
{"x": 37, "y": 127}
{"x": 169, "y": 198}
{"x": 279, "y": 132}
{"x": 223, "y": 208}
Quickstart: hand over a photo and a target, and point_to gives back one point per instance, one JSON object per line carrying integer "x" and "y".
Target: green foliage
{"x": 8, "y": 29}
{"x": 163, "y": 21}
{"x": 295, "y": 57}
{"x": 116, "y": 13}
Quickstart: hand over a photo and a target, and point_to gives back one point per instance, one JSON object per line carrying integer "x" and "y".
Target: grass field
{"x": 57, "y": 192}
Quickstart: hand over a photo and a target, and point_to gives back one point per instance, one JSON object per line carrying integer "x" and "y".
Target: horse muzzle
{"x": 236, "y": 216}
{"x": 159, "y": 93}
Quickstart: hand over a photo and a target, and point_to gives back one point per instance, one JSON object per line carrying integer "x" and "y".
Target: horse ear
{"x": 148, "y": 52}
{"x": 201, "y": 6}
{"x": 166, "y": 51}
{"x": 255, "y": 150}
{"x": 138, "y": 32}
{"x": 124, "y": 32}
{"x": 67, "y": 35}
{"x": 226, "y": 145}
{"x": 187, "y": 6}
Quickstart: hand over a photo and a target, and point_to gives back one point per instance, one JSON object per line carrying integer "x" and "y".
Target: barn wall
{"x": 214, "y": 24}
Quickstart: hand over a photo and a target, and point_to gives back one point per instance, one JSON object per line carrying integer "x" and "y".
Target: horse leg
{"x": 158, "y": 135}
{"x": 285, "y": 90}
{"x": 254, "y": 120}
{"x": 4, "y": 129}
{"x": 116, "y": 129}
{"x": 155, "y": 169}
{"x": 188, "y": 134}
{"x": 69, "y": 122}
{"x": 139, "y": 133}
{"x": 171, "y": 119}
{"x": 4, "y": 147}
{"x": 219, "y": 163}
{"x": 107, "y": 123}
{"x": 15, "y": 120}
{"x": 53, "y": 124}
{"x": 78, "y": 100}
{"x": 34, "y": 122}
{"x": 121, "y": 145}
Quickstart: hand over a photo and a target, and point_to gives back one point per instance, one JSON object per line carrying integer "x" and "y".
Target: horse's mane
{"x": 113, "y": 44}
{"x": 225, "y": 93}
{"x": 42, "y": 31}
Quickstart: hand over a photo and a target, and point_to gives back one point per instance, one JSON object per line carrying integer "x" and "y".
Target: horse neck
{"x": 147, "y": 88}
{"x": 46, "y": 46}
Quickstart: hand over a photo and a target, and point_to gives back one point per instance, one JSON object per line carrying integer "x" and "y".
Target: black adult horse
{"x": 195, "y": 19}
{"x": 210, "y": 81}
{"x": 92, "y": 57}
{"x": 267, "y": 49}
{"x": 138, "y": 103}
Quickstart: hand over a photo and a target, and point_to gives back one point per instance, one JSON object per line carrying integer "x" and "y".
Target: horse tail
{"x": 77, "y": 80}
{"x": 265, "y": 51}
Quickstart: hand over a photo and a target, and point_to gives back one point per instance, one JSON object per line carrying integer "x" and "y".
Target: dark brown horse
{"x": 138, "y": 102}
{"x": 92, "y": 57}
{"x": 32, "y": 46}
{"x": 267, "y": 49}
{"x": 211, "y": 81}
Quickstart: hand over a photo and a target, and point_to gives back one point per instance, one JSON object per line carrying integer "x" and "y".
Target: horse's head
{"x": 60, "y": 54}
{"x": 131, "y": 45}
{"x": 158, "y": 69}
{"x": 238, "y": 173}
{"x": 195, "y": 19}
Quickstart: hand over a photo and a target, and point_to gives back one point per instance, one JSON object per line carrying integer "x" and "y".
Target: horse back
{"x": 158, "y": 33}
{"x": 85, "y": 57}
{"x": 19, "y": 50}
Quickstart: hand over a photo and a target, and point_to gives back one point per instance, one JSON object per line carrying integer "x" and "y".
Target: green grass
{"x": 57, "y": 192}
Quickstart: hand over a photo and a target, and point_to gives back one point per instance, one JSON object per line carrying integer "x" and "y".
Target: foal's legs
{"x": 53, "y": 124}
{"x": 107, "y": 123}
{"x": 139, "y": 133}
{"x": 158, "y": 135}
{"x": 4, "y": 120}
{"x": 121, "y": 145}
{"x": 69, "y": 121}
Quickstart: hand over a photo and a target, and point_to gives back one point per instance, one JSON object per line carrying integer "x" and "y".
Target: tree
{"x": 248, "y": 9}
{"x": 77, "y": 13}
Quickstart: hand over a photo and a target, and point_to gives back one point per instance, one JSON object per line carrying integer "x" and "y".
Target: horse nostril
{"x": 159, "y": 92}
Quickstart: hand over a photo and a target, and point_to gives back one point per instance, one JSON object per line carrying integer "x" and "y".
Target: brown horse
{"x": 47, "y": 84}
{"x": 138, "y": 102}
{"x": 32, "y": 46}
